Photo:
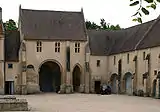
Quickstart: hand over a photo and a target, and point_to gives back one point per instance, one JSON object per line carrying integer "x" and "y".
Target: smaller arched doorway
{"x": 76, "y": 78}
{"x": 128, "y": 83}
{"x": 114, "y": 85}
{"x": 154, "y": 88}
{"x": 50, "y": 77}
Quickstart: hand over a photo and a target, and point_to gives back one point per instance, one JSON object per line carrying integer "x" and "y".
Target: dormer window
{"x": 77, "y": 47}
{"x": 57, "y": 47}
{"x": 39, "y": 46}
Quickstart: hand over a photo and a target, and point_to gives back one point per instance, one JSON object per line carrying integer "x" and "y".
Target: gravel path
{"x": 51, "y": 102}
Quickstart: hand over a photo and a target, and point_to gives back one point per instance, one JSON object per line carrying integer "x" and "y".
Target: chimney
{"x": 0, "y": 14}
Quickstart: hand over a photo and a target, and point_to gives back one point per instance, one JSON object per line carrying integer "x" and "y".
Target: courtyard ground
{"x": 51, "y": 102}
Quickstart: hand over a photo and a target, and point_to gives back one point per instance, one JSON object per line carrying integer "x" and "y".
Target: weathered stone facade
{"x": 93, "y": 56}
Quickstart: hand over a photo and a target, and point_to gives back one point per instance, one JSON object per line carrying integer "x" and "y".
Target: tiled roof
{"x": 52, "y": 25}
{"x": 137, "y": 37}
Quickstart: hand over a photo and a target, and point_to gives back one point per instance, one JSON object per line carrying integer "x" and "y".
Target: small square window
{"x": 155, "y": 72}
{"x": 98, "y": 63}
{"x": 10, "y": 65}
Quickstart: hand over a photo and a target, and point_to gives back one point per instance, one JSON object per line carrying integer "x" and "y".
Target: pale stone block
{"x": 1, "y": 91}
{"x": 145, "y": 86}
{"x": 82, "y": 88}
{"x": 132, "y": 86}
{"x": 33, "y": 88}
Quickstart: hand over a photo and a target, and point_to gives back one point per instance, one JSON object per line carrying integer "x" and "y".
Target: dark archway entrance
{"x": 114, "y": 83}
{"x": 97, "y": 85}
{"x": 154, "y": 88}
{"x": 76, "y": 78}
{"x": 50, "y": 77}
{"x": 128, "y": 83}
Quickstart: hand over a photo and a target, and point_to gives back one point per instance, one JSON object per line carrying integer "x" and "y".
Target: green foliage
{"x": 10, "y": 25}
{"x": 143, "y": 9}
{"x": 103, "y": 25}
{"x": 134, "y": 3}
{"x": 149, "y": 1}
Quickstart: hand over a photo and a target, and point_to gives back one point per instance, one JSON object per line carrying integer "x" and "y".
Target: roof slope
{"x": 131, "y": 36}
{"x": 99, "y": 42}
{"x": 112, "y": 42}
{"x": 152, "y": 38}
{"x": 12, "y": 45}
{"x": 52, "y": 25}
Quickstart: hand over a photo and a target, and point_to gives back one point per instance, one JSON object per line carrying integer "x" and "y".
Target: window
{"x": 39, "y": 46}
{"x": 98, "y": 63}
{"x": 144, "y": 55}
{"x": 57, "y": 47}
{"x": 128, "y": 58}
{"x": 10, "y": 65}
{"x": 155, "y": 72}
{"x": 114, "y": 60}
{"x": 77, "y": 47}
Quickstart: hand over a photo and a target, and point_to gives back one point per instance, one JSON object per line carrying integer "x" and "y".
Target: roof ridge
{"x": 51, "y": 11}
{"x": 145, "y": 34}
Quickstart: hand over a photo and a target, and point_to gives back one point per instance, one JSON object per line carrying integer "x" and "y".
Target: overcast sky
{"x": 113, "y": 11}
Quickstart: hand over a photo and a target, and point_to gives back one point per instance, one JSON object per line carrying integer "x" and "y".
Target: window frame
{"x": 77, "y": 47}
{"x": 57, "y": 47}
{"x": 10, "y": 66}
{"x": 39, "y": 46}
{"x": 98, "y": 63}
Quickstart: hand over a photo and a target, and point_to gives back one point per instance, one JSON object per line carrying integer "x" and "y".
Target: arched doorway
{"x": 76, "y": 78}
{"x": 128, "y": 83}
{"x": 50, "y": 77}
{"x": 114, "y": 83}
{"x": 154, "y": 88}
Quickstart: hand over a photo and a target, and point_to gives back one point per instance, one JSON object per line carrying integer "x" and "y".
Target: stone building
{"x": 53, "y": 51}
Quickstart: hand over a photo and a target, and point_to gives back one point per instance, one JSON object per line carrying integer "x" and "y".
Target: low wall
{"x": 13, "y": 104}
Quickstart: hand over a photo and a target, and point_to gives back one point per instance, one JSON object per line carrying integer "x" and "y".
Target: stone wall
{"x": 13, "y": 104}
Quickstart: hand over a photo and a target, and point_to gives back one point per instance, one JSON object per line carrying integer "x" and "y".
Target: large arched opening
{"x": 113, "y": 81}
{"x": 76, "y": 78}
{"x": 128, "y": 83}
{"x": 50, "y": 77}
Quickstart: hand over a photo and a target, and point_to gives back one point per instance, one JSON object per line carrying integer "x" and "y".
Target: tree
{"x": 103, "y": 25}
{"x": 108, "y": 26}
{"x": 143, "y": 9}
{"x": 91, "y": 25}
{"x": 10, "y": 25}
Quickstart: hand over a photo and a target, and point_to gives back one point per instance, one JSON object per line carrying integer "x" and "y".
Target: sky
{"x": 113, "y": 11}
